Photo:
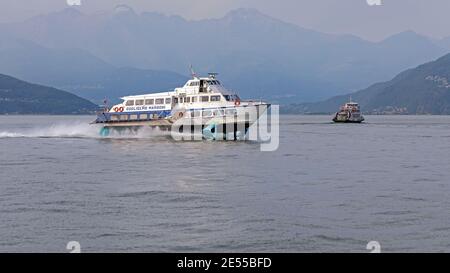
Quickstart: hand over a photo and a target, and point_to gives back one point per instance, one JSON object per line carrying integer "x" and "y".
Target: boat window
{"x": 231, "y": 97}
{"x": 168, "y": 100}
{"x": 129, "y": 103}
{"x": 196, "y": 113}
{"x": 230, "y": 112}
{"x": 175, "y": 100}
{"x": 194, "y": 99}
{"x": 143, "y": 116}
{"x": 215, "y": 98}
{"x": 149, "y": 101}
{"x": 207, "y": 113}
{"x": 187, "y": 99}
{"x": 159, "y": 101}
{"x": 218, "y": 112}
{"x": 205, "y": 98}
{"x": 139, "y": 102}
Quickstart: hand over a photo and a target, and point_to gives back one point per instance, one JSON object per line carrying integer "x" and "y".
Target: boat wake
{"x": 80, "y": 130}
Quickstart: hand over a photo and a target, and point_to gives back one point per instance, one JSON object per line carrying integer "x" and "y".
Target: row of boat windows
{"x": 147, "y": 102}
{"x": 133, "y": 117}
{"x": 189, "y": 99}
{"x": 214, "y": 82}
{"x": 195, "y": 99}
{"x": 212, "y": 113}
{"x": 192, "y": 114}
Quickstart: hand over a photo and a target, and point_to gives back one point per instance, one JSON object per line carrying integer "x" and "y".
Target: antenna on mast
{"x": 194, "y": 76}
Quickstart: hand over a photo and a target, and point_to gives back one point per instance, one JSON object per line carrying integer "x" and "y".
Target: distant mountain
{"x": 445, "y": 42}
{"x": 78, "y": 71}
{"x": 19, "y": 97}
{"x": 422, "y": 90}
{"x": 259, "y": 56}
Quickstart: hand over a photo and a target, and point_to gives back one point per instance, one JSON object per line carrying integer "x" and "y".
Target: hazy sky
{"x": 430, "y": 17}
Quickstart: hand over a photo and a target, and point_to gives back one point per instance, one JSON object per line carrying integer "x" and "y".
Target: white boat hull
{"x": 222, "y": 126}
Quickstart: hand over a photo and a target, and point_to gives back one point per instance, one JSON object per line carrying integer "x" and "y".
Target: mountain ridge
{"x": 258, "y": 55}
{"x": 78, "y": 71}
{"x": 20, "y": 97}
{"x": 424, "y": 89}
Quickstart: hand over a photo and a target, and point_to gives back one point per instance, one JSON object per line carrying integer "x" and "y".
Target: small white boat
{"x": 203, "y": 102}
{"x": 349, "y": 113}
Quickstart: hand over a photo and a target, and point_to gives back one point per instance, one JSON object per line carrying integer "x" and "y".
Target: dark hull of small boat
{"x": 347, "y": 121}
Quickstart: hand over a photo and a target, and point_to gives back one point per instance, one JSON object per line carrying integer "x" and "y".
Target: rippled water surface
{"x": 328, "y": 188}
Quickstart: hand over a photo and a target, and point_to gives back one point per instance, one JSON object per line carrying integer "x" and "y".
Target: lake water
{"x": 328, "y": 188}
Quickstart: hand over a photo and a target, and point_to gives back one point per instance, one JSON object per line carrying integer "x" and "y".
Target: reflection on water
{"x": 329, "y": 187}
